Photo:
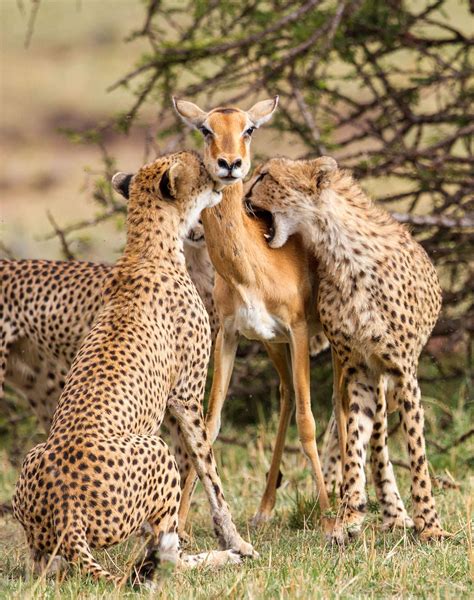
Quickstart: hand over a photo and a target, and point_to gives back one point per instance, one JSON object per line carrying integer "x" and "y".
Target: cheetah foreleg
{"x": 362, "y": 408}
{"x": 200, "y": 451}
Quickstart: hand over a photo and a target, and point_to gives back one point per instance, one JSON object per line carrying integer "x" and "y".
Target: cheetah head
{"x": 286, "y": 190}
{"x": 177, "y": 182}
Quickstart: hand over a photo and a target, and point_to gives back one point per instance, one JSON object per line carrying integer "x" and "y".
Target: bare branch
{"x": 31, "y": 21}
{"x": 62, "y": 238}
{"x": 435, "y": 220}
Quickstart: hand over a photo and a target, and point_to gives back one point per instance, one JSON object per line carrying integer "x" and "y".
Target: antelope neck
{"x": 231, "y": 237}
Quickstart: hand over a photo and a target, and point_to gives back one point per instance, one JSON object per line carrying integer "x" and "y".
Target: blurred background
{"x": 385, "y": 87}
{"x": 58, "y": 82}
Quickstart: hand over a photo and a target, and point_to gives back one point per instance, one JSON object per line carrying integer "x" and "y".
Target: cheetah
{"x": 379, "y": 299}
{"x": 102, "y": 472}
{"x": 46, "y": 309}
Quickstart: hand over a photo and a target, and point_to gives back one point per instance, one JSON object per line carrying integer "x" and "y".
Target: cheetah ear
{"x": 323, "y": 167}
{"x": 121, "y": 183}
{"x": 168, "y": 183}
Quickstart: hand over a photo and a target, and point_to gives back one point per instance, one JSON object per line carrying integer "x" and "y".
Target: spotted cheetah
{"x": 47, "y": 308}
{"x": 379, "y": 299}
{"x": 102, "y": 472}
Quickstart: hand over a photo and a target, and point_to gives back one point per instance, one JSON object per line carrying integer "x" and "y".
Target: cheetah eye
{"x": 205, "y": 131}
{"x": 248, "y": 132}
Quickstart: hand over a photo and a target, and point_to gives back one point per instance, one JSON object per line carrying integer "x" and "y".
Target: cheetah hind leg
{"x": 408, "y": 397}
{"x": 46, "y": 565}
{"x": 394, "y": 514}
{"x": 168, "y": 553}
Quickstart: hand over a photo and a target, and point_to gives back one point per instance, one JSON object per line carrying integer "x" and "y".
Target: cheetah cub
{"x": 102, "y": 472}
{"x": 379, "y": 298}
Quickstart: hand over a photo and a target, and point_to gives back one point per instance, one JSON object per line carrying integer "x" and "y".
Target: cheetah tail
{"x": 74, "y": 546}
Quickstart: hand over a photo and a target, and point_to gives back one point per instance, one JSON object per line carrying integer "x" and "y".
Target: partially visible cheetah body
{"x": 379, "y": 299}
{"x": 47, "y": 307}
{"x": 102, "y": 472}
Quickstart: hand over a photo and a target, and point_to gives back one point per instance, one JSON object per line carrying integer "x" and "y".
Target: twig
{"x": 461, "y": 439}
{"x": 434, "y": 220}
{"x": 87, "y": 222}
{"x": 234, "y": 441}
{"x": 62, "y": 238}
{"x": 6, "y": 251}
{"x": 31, "y": 21}
{"x": 6, "y": 509}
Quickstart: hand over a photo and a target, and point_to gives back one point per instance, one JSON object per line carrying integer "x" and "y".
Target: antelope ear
{"x": 190, "y": 113}
{"x": 121, "y": 184}
{"x": 262, "y": 112}
{"x": 168, "y": 183}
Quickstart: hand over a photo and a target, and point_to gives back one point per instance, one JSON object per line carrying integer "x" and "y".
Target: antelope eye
{"x": 205, "y": 131}
{"x": 249, "y": 131}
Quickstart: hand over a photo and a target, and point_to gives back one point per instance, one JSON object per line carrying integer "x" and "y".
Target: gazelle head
{"x": 227, "y": 133}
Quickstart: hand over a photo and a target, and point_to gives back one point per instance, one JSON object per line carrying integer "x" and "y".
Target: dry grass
{"x": 294, "y": 560}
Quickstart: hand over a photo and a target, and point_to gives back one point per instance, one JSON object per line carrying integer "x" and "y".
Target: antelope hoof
{"x": 260, "y": 519}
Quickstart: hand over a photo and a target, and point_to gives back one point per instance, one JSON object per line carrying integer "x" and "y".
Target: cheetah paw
{"x": 334, "y": 532}
{"x": 434, "y": 533}
{"x": 397, "y": 522}
{"x": 245, "y": 549}
{"x": 340, "y": 530}
{"x": 234, "y": 558}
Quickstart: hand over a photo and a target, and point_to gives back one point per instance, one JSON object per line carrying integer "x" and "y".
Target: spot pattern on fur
{"x": 102, "y": 471}
{"x": 379, "y": 299}
{"x": 46, "y": 310}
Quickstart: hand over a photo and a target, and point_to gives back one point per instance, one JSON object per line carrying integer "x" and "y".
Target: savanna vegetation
{"x": 386, "y": 88}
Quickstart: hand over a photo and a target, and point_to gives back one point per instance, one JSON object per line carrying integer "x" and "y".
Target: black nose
{"x": 225, "y": 165}
{"x": 236, "y": 164}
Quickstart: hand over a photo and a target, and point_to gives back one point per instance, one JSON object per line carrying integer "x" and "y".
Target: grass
{"x": 42, "y": 170}
{"x": 294, "y": 562}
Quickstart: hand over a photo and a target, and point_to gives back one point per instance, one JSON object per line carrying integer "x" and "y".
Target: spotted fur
{"x": 379, "y": 299}
{"x": 102, "y": 471}
{"x": 46, "y": 310}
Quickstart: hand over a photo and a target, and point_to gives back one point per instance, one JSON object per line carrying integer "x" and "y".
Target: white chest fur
{"x": 255, "y": 322}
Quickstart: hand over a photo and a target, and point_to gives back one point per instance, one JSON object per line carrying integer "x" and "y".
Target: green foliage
{"x": 383, "y": 85}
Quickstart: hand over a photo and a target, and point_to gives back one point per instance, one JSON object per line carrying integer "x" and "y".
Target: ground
{"x": 294, "y": 560}
{"x": 42, "y": 170}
